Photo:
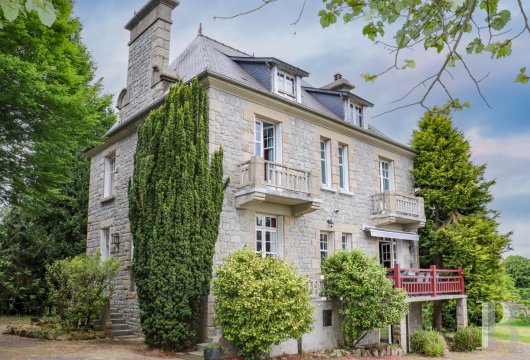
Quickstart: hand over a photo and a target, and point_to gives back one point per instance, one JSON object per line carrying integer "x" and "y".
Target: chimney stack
{"x": 148, "y": 68}
{"x": 337, "y": 76}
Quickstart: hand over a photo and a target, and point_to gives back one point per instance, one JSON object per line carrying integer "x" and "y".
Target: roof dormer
{"x": 275, "y": 75}
{"x": 338, "y": 98}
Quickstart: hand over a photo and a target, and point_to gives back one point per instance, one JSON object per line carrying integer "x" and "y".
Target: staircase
{"x": 119, "y": 329}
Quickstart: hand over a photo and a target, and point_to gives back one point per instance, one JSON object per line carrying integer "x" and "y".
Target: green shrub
{"x": 369, "y": 299}
{"x": 430, "y": 343}
{"x": 260, "y": 302}
{"x": 80, "y": 287}
{"x": 467, "y": 339}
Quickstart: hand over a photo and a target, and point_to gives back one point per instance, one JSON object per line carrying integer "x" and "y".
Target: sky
{"x": 499, "y": 136}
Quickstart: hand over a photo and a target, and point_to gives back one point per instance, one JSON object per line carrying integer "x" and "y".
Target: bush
{"x": 80, "y": 287}
{"x": 369, "y": 299}
{"x": 430, "y": 343}
{"x": 260, "y": 302}
{"x": 467, "y": 339}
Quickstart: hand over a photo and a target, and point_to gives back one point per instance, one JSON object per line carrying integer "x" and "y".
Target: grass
{"x": 504, "y": 331}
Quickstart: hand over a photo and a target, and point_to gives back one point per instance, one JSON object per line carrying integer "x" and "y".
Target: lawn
{"x": 504, "y": 331}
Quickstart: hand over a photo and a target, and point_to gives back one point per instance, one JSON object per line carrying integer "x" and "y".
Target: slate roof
{"x": 206, "y": 54}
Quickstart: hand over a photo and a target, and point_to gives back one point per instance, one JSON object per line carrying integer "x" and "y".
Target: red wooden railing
{"x": 430, "y": 282}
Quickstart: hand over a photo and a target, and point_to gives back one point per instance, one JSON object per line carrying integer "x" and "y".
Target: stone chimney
{"x": 148, "y": 74}
{"x": 338, "y": 84}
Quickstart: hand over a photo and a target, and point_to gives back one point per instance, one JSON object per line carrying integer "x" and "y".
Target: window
{"x": 327, "y": 318}
{"x": 104, "y": 245}
{"x": 285, "y": 84}
{"x": 355, "y": 114}
{"x": 324, "y": 245}
{"x": 346, "y": 241}
{"x": 265, "y": 140}
{"x": 109, "y": 177}
{"x": 266, "y": 235}
{"x": 324, "y": 162}
{"x": 343, "y": 167}
{"x": 386, "y": 173}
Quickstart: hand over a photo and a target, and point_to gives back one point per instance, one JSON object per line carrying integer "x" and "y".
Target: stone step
{"x": 118, "y": 321}
{"x": 201, "y": 346}
{"x": 120, "y": 327}
{"x": 115, "y": 316}
{"x": 122, "y": 333}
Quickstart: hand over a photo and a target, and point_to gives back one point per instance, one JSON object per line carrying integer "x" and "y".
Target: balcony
{"x": 430, "y": 282}
{"x": 393, "y": 208}
{"x": 265, "y": 182}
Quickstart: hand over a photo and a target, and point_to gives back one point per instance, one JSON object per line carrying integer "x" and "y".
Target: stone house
{"x": 309, "y": 175}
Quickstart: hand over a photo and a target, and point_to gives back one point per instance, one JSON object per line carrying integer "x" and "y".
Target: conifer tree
{"x": 175, "y": 202}
{"x": 460, "y": 229}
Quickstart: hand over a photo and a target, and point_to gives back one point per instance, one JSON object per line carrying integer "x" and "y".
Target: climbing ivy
{"x": 175, "y": 201}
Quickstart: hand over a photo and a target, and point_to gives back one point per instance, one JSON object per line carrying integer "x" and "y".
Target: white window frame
{"x": 392, "y": 253}
{"x": 343, "y": 168}
{"x": 104, "y": 244}
{"x": 259, "y": 133}
{"x": 109, "y": 176}
{"x": 325, "y": 245}
{"x": 345, "y": 241}
{"x": 325, "y": 163}
{"x": 283, "y": 87}
{"x": 386, "y": 172}
{"x": 354, "y": 113}
{"x": 260, "y": 245}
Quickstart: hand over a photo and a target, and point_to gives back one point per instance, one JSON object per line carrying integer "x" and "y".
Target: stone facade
{"x": 233, "y": 111}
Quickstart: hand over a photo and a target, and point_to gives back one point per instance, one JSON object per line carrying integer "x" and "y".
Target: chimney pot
{"x": 337, "y": 76}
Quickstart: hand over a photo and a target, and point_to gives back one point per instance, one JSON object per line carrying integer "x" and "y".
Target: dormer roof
{"x": 272, "y": 60}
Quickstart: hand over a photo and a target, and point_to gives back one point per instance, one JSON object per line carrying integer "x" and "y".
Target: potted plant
{"x": 213, "y": 351}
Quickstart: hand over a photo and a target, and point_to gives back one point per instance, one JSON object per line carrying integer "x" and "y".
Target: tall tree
{"x": 50, "y": 106}
{"x": 175, "y": 202}
{"x": 50, "y": 109}
{"x": 460, "y": 229}
{"x": 518, "y": 267}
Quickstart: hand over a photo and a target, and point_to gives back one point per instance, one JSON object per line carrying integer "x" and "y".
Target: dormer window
{"x": 355, "y": 114}
{"x": 285, "y": 84}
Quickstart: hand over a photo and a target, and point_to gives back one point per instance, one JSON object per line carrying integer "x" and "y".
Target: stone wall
{"x": 232, "y": 127}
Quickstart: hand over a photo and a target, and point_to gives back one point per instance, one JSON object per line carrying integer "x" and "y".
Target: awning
{"x": 393, "y": 234}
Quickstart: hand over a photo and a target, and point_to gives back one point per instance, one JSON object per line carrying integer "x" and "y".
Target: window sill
{"x": 325, "y": 188}
{"x": 346, "y": 192}
{"x": 108, "y": 199}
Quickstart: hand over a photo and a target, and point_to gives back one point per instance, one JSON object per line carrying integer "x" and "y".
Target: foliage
{"x": 474, "y": 243}
{"x": 467, "y": 339}
{"x": 175, "y": 202}
{"x": 260, "y": 302}
{"x": 31, "y": 237}
{"x": 460, "y": 230}
{"x": 43, "y": 8}
{"x": 369, "y": 299}
{"x": 518, "y": 267}
{"x": 453, "y": 28}
{"x": 428, "y": 342}
{"x": 50, "y": 107}
{"x": 80, "y": 287}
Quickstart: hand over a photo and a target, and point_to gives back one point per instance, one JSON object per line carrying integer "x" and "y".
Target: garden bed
{"x": 49, "y": 329}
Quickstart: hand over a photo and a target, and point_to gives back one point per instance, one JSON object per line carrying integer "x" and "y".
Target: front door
{"x": 387, "y": 253}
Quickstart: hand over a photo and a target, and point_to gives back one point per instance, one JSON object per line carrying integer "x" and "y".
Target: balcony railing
{"x": 261, "y": 172}
{"x": 428, "y": 282}
{"x": 263, "y": 181}
{"x": 390, "y": 207}
{"x": 315, "y": 285}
